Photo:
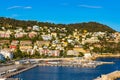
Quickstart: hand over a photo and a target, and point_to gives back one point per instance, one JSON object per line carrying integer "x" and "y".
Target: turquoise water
{"x": 70, "y": 73}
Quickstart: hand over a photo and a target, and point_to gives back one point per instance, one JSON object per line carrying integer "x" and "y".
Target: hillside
{"x": 90, "y": 26}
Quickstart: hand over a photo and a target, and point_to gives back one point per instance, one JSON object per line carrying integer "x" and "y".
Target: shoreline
{"x": 93, "y": 63}
{"x": 105, "y": 56}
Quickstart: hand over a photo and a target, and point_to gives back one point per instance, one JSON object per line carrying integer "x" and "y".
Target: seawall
{"x": 111, "y": 76}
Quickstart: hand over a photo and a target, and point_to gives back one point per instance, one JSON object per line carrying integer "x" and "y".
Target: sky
{"x": 64, "y": 11}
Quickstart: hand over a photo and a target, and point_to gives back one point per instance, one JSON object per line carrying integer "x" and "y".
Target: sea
{"x": 70, "y": 73}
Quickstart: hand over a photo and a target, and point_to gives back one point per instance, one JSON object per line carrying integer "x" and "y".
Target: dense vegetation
{"x": 9, "y": 23}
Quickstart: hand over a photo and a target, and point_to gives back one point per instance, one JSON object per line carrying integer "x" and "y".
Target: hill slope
{"x": 90, "y": 26}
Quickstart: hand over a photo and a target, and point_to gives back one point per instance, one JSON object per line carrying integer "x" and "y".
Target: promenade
{"x": 6, "y": 68}
{"x": 20, "y": 69}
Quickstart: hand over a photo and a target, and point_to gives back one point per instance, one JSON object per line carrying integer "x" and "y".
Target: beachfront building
{"x": 31, "y": 51}
{"x": 54, "y": 52}
{"x": 87, "y": 55}
{"x": 43, "y": 51}
{"x": 6, "y": 53}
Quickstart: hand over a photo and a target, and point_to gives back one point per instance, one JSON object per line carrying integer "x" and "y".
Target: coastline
{"x": 107, "y": 55}
{"x": 91, "y": 64}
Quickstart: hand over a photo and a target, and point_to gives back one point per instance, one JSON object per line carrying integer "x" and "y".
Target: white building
{"x": 6, "y": 53}
{"x": 46, "y": 37}
{"x": 36, "y": 28}
{"x": 54, "y": 53}
{"x": 87, "y": 55}
{"x": 69, "y": 40}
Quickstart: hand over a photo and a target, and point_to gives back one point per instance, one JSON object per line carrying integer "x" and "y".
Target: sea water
{"x": 70, "y": 73}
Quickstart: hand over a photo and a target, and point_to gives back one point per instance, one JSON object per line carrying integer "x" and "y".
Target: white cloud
{"x": 89, "y": 6}
{"x": 19, "y": 7}
{"x": 14, "y": 7}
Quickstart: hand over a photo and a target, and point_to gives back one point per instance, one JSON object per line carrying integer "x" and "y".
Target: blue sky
{"x": 64, "y": 11}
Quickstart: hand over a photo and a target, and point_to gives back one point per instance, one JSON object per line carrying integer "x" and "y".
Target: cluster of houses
{"x": 50, "y": 41}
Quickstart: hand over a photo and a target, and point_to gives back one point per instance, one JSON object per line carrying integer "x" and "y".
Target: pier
{"x": 111, "y": 76}
{"x": 91, "y": 64}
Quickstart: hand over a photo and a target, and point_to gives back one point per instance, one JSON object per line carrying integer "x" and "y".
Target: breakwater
{"x": 111, "y": 76}
{"x": 92, "y": 64}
